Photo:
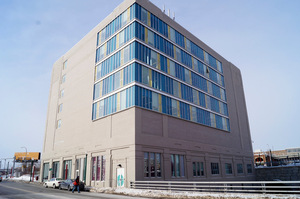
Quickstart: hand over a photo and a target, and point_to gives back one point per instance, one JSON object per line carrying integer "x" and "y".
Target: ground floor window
{"x": 198, "y": 169}
{"x": 215, "y": 168}
{"x": 98, "y": 168}
{"x": 67, "y": 169}
{"x": 45, "y": 171}
{"x": 80, "y": 168}
{"x": 177, "y": 165}
{"x": 55, "y": 170}
{"x": 228, "y": 168}
{"x": 249, "y": 168}
{"x": 152, "y": 164}
{"x": 240, "y": 168}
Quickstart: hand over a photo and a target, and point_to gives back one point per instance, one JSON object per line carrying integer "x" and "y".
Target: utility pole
{"x": 13, "y": 170}
{"x": 31, "y": 171}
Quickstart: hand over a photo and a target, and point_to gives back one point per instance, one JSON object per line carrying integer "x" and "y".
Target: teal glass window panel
{"x": 144, "y": 16}
{"x": 155, "y": 103}
{"x": 150, "y": 38}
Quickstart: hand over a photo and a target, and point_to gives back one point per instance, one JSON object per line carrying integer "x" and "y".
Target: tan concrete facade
{"x": 123, "y": 137}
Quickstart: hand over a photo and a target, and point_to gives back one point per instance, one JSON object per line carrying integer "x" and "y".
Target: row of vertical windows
{"x": 154, "y": 59}
{"x": 114, "y": 81}
{"x": 117, "y": 102}
{"x": 98, "y": 168}
{"x": 228, "y": 168}
{"x": 155, "y": 40}
{"x": 166, "y": 47}
{"x": 116, "y": 42}
{"x": 150, "y": 57}
{"x": 138, "y": 96}
{"x": 60, "y": 106}
{"x": 162, "y": 63}
{"x": 115, "y": 61}
{"x": 152, "y": 21}
{"x": 152, "y": 165}
{"x": 116, "y": 25}
{"x": 151, "y": 78}
{"x": 163, "y": 104}
{"x": 166, "y": 84}
{"x": 198, "y": 169}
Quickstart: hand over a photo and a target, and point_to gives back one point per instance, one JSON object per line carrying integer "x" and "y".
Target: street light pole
{"x": 31, "y": 171}
{"x": 13, "y": 170}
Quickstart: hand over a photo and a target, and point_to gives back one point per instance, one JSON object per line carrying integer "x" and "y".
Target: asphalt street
{"x": 18, "y": 190}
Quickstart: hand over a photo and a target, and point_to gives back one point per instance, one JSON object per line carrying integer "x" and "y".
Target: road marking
{"x": 32, "y": 192}
{"x": 17, "y": 188}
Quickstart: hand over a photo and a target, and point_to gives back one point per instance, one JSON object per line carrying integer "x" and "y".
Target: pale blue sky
{"x": 260, "y": 37}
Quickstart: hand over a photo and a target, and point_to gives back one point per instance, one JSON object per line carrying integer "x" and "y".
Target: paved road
{"x": 17, "y": 190}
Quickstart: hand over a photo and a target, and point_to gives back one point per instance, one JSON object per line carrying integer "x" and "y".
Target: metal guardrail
{"x": 282, "y": 187}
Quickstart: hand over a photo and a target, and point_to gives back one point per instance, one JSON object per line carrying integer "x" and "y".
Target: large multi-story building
{"x": 142, "y": 93}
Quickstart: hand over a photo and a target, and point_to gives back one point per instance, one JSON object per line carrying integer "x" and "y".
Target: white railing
{"x": 225, "y": 187}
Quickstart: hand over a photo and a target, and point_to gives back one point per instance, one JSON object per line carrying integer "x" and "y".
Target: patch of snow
{"x": 189, "y": 195}
{"x": 21, "y": 178}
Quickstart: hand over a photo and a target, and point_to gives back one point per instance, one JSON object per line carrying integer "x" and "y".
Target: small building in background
{"x": 289, "y": 156}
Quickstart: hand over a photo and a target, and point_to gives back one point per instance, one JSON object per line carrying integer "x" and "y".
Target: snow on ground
{"x": 190, "y": 195}
{"x": 21, "y": 178}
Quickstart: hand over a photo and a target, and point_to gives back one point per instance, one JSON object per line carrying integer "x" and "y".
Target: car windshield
{"x": 58, "y": 179}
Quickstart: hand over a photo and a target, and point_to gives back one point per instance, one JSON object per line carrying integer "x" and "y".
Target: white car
{"x": 53, "y": 182}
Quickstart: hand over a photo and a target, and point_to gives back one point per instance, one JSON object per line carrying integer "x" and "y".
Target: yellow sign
{"x": 22, "y": 156}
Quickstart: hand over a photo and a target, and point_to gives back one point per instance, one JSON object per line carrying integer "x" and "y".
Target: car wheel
{"x": 54, "y": 186}
{"x": 45, "y": 185}
{"x": 69, "y": 188}
{"x": 59, "y": 187}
